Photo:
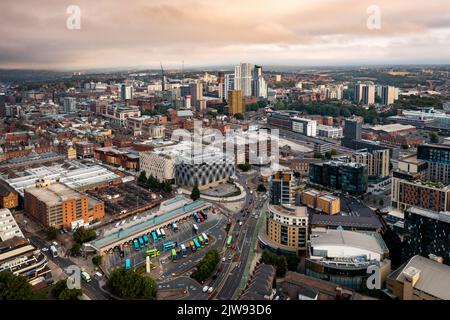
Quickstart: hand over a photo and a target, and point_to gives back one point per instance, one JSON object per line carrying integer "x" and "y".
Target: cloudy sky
{"x": 141, "y": 33}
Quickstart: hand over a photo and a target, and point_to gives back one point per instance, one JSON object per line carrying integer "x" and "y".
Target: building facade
{"x": 438, "y": 159}
{"x": 282, "y": 188}
{"x": 158, "y": 165}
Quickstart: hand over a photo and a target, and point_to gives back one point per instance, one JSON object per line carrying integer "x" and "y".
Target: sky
{"x": 143, "y": 33}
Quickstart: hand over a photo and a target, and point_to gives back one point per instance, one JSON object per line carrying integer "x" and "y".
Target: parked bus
{"x": 153, "y": 253}
{"x": 145, "y": 239}
{"x": 163, "y": 233}
{"x": 205, "y": 215}
{"x": 158, "y": 233}
{"x": 54, "y": 251}
{"x": 136, "y": 245}
{"x": 127, "y": 264}
{"x": 174, "y": 227}
{"x": 229, "y": 241}
{"x": 205, "y": 238}
{"x": 200, "y": 217}
{"x": 169, "y": 245}
{"x": 183, "y": 250}
{"x": 202, "y": 242}
{"x": 195, "y": 228}
{"x": 154, "y": 236}
{"x": 174, "y": 255}
{"x": 192, "y": 245}
{"x": 197, "y": 244}
{"x": 196, "y": 217}
{"x": 141, "y": 241}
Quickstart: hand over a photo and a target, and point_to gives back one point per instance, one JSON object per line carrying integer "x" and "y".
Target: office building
{"x": 420, "y": 278}
{"x": 286, "y": 229}
{"x": 377, "y": 162}
{"x": 282, "y": 188}
{"x": 259, "y": 89}
{"x": 342, "y": 257}
{"x": 437, "y": 158}
{"x": 352, "y": 129}
{"x": 415, "y": 193}
{"x": 243, "y": 79}
{"x": 368, "y": 94}
{"x": 329, "y": 131}
{"x": 84, "y": 149}
{"x": 235, "y": 102}
{"x": 57, "y": 205}
{"x": 69, "y": 104}
{"x": 228, "y": 84}
{"x": 426, "y": 232}
{"x": 157, "y": 164}
{"x": 388, "y": 95}
{"x": 126, "y": 92}
{"x": 196, "y": 90}
{"x": 8, "y": 226}
{"x": 2, "y": 105}
{"x": 335, "y": 175}
{"x": 304, "y": 126}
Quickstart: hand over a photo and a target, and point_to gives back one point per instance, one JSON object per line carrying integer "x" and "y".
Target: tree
{"x": 75, "y": 250}
{"x": 261, "y": 188}
{"x": 82, "y": 235}
{"x": 206, "y": 266}
{"x": 318, "y": 155}
{"x": 238, "y": 116}
{"x": 61, "y": 292}
{"x": 278, "y": 261}
{"x": 14, "y": 287}
{"x": 52, "y": 233}
{"x": 97, "y": 260}
{"x": 245, "y": 166}
{"x": 167, "y": 187}
{"x": 381, "y": 202}
{"x": 128, "y": 284}
{"x": 433, "y": 137}
{"x": 195, "y": 194}
{"x": 142, "y": 179}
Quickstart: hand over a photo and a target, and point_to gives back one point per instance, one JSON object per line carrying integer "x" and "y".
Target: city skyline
{"x": 201, "y": 33}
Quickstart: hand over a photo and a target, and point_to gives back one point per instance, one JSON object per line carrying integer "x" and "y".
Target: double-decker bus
{"x": 192, "y": 245}
{"x": 205, "y": 215}
{"x": 183, "y": 250}
{"x": 145, "y": 239}
{"x": 174, "y": 255}
{"x": 205, "y": 238}
{"x": 163, "y": 233}
{"x": 196, "y": 217}
{"x": 154, "y": 236}
{"x": 169, "y": 245}
{"x": 229, "y": 241}
{"x": 136, "y": 245}
{"x": 158, "y": 233}
{"x": 202, "y": 242}
{"x": 197, "y": 244}
{"x": 200, "y": 217}
{"x": 195, "y": 228}
{"x": 127, "y": 264}
{"x": 153, "y": 253}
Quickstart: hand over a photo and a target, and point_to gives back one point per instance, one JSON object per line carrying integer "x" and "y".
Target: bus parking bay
{"x": 212, "y": 226}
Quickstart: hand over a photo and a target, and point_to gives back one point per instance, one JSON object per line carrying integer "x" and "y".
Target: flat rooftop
{"x": 54, "y": 194}
{"x": 366, "y": 241}
{"x": 389, "y": 128}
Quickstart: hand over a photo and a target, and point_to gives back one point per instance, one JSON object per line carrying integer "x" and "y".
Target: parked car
{"x": 205, "y": 289}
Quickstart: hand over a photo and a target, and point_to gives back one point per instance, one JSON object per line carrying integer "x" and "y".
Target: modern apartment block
{"x": 416, "y": 193}
{"x": 57, "y": 205}
{"x": 235, "y": 102}
{"x": 438, "y": 159}
{"x": 286, "y": 229}
{"x": 282, "y": 188}
{"x": 426, "y": 232}
{"x": 377, "y": 162}
{"x": 347, "y": 177}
